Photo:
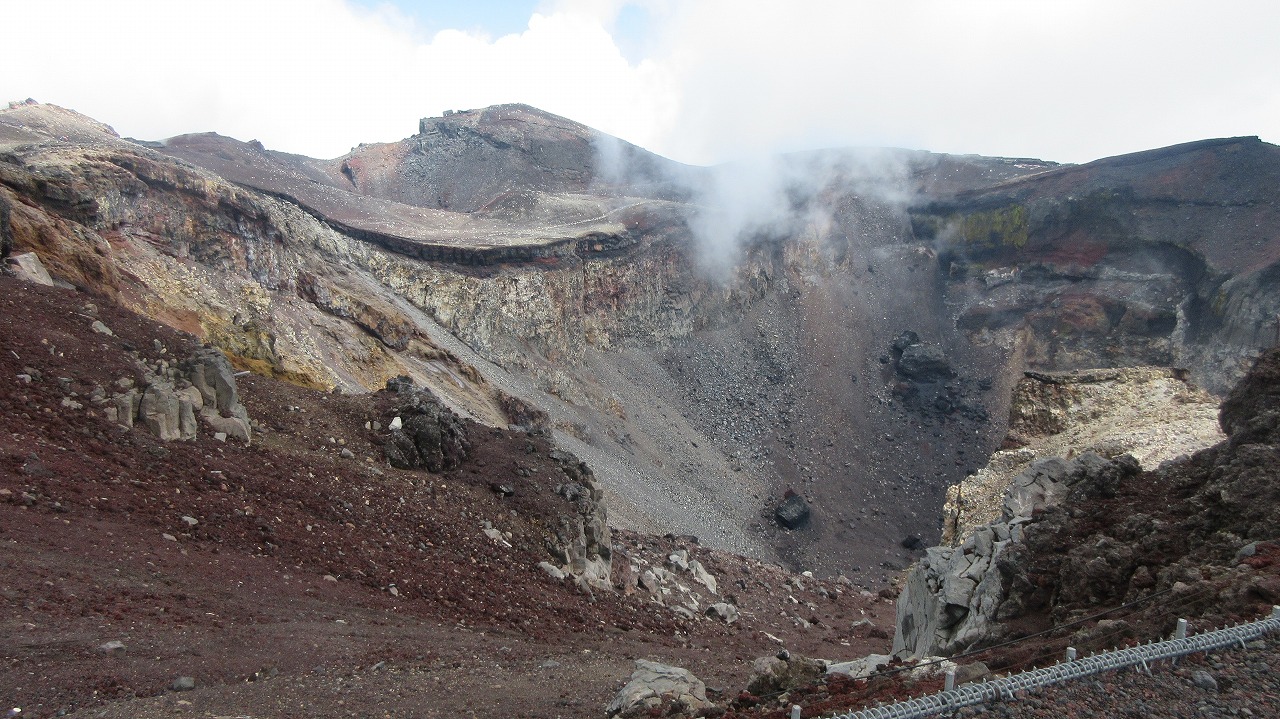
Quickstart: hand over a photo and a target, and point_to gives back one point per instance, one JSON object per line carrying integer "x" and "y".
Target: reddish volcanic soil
{"x": 278, "y": 600}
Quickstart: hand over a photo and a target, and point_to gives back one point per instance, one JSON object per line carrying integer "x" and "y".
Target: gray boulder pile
{"x": 173, "y": 395}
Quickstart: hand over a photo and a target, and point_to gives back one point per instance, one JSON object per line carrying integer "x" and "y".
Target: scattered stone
{"x": 860, "y": 668}
{"x": 169, "y": 537}
{"x": 723, "y": 611}
{"x": 114, "y": 646}
{"x": 1204, "y": 680}
{"x": 924, "y": 362}
{"x": 190, "y": 521}
{"x": 396, "y": 423}
{"x": 228, "y": 426}
{"x": 702, "y": 576}
{"x": 496, "y": 536}
{"x": 27, "y": 266}
{"x": 971, "y": 672}
{"x": 183, "y": 684}
{"x": 346, "y": 454}
{"x": 679, "y": 560}
{"x": 101, "y": 329}
{"x": 783, "y": 672}
{"x": 649, "y": 581}
{"x": 552, "y": 570}
{"x": 220, "y": 436}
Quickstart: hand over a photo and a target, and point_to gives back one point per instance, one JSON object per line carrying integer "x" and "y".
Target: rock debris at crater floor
{"x": 855, "y": 357}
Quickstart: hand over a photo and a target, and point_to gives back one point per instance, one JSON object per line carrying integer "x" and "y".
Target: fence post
{"x": 795, "y": 711}
{"x": 951, "y": 680}
{"x": 1071, "y": 654}
{"x": 1181, "y": 631}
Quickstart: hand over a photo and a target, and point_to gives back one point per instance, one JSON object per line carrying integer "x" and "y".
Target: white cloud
{"x": 1056, "y": 79}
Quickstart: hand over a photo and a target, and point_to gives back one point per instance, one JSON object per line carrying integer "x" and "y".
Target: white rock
{"x": 552, "y": 570}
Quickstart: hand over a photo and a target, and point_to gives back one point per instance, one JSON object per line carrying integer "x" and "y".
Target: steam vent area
{"x": 476, "y": 419}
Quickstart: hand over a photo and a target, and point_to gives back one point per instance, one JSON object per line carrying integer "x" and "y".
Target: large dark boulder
{"x": 793, "y": 513}
{"x": 431, "y": 437}
{"x": 1251, "y": 412}
{"x": 925, "y": 363}
{"x": 903, "y": 341}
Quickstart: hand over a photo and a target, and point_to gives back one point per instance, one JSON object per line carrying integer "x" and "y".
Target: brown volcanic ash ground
{"x": 241, "y": 602}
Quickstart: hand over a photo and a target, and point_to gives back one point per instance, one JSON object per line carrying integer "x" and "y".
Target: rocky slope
{"x": 505, "y": 253}
{"x": 1192, "y": 537}
{"x": 1150, "y": 413}
{"x": 300, "y": 573}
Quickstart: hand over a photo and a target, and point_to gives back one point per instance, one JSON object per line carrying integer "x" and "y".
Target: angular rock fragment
{"x": 793, "y": 513}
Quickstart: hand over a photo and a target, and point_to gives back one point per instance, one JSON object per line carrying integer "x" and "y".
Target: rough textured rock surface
{"x": 1094, "y": 533}
{"x": 580, "y": 540}
{"x": 659, "y": 689}
{"x": 430, "y": 435}
{"x": 1153, "y": 414}
{"x": 776, "y": 674}
{"x": 954, "y": 598}
{"x": 509, "y": 252}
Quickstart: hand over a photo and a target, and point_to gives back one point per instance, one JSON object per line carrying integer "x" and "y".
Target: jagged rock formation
{"x": 955, "y": 597}
{"x": 1153, "y": 414}
{"x": 1089, "y": 533}
{"x": 580, "y": 540}
{"x": 506, "y": 252}
{"x": 1158, "y": 258}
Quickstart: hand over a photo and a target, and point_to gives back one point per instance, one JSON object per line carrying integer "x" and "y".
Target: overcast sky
{"x": 701, "y": 81}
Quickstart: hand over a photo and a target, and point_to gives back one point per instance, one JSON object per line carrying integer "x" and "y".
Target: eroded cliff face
{"x": 698, "y": 397}
{"x": 1150, "y": 413}
{"x": 1164, "y": 257}
{"x": 1077, "y": 537}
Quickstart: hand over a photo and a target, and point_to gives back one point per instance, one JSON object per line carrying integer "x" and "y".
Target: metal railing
{"x": 1004, "y": 688}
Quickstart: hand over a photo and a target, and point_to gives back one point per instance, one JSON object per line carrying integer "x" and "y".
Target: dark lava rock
{"x": 905, "y": 340}
{"x": 913, "y": 543}
{"x": 924, "y": 362}
{"x": 432, "y": 436}
{"x": 1251, "y": 412}
{"x": 793, "y": 513}
{"x": 400, "y": 384}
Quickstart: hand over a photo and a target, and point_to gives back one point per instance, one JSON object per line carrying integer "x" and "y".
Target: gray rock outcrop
{"x": 159, "y": 411}
{"x": 212, "y": 375}
{"x": 580, "y": 540}
{"x": 171, "y": 398}
{"x": 955, "y": 597}
{"x": 670, "y": 691}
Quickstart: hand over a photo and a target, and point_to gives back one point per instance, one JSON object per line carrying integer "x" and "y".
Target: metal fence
{"x": 1004, "y": 688}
